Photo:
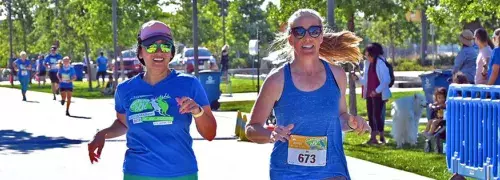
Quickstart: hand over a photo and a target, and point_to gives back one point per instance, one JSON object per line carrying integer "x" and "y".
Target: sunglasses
{"x": 300, "y": 32}
{"x": 165, "y": 47}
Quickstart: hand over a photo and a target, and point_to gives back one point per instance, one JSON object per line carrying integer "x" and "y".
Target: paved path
{"x": 37, "y": 141}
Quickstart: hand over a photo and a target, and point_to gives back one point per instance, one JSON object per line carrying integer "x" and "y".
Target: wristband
{"x": 199, "y": 114}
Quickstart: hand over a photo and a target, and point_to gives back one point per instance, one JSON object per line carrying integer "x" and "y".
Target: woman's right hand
{"x": 96, "y": 144}
{"x": 281, "y": 133}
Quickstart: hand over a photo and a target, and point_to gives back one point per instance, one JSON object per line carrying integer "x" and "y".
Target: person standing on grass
{"x": 102, "y": 66}
{"x": 494, "y": 64}
{"x": 51, "y": 61}
{"x": 66, "y": 75}
{"x": 485, "y": 47}
{"x": 465, "y": 61}
{"x": 308, "y": 98}
{"x": 23, "y": 68}
{"x": 375, "y": 81}
{"x": 155, "y": 109}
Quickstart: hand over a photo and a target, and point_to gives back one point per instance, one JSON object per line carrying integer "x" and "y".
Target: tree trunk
{"x": 89, "y": 67}
{"x": 423, "y": 45}
{"x": 352, "y": 83}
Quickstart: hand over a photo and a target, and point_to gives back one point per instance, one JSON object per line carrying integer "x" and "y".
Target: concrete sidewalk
{"x": 37, "y": 137}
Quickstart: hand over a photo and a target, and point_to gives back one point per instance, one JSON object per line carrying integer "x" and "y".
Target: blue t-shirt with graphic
{"x": 158, "y": 139}
{"x": 66, "y": 74}
{"x": 22, "y": 66}
{"x": 495, "y": 59}
{"x": 102, "y": 64}
{"x": 52, "y": 60}
{"x": 41, "y": 65}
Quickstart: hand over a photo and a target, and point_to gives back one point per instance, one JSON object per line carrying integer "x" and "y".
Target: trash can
{"x": 431, "y": 81}
{"x": 210, "y": 80}
{"x": 78, "y": 71}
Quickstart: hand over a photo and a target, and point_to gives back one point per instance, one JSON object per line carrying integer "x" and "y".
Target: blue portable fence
{"x": 472, "y": 140}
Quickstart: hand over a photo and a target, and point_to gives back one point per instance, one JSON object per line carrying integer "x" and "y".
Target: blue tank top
{"x": 314, "y": 113}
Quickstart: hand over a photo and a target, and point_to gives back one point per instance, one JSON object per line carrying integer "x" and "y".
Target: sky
{"x": 164, "y": 8}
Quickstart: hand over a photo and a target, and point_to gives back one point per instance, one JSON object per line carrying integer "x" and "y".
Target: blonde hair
{"x": 336, "y": 47}
{"x": 22, "y": 53}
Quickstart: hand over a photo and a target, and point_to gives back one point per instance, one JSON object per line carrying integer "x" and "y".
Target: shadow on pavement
{"x": 80, "y": 117}
{"x": 33, "y": 101}
{"x": 25, "y": 143}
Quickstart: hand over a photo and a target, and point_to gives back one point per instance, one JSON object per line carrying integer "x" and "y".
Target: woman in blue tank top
{"x": 155, "y": 110}
{"x": 308, "y": 98}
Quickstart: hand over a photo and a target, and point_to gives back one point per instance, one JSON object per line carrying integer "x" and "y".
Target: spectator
{"x": 485, "y": 45}
{"x": 102, "y": 66}
{"x": 466, "y": 58}
{"x": 437, "y": 108}
{"x": 375, "y": 81}
{"x": 494, "y": 64}
{"x": 224, "y": 59}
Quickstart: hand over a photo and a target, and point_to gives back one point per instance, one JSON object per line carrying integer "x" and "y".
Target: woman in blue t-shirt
{"x": 23, "y": 68}
{"x": 494, "y": 64}
{"x": 155, "y": 110}
{"x": 66, "y": 75}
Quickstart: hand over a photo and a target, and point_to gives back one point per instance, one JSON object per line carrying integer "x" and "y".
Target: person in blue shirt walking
{"x": 308, "y": 98}
{"x": 155, "y": 110}
{"x": 102, "y": 66}
{"x": 23, "y": 68}
{"x": 41, "y": 69}
{"x": 494, "y": 63}
{"x": 51, "y": 61}
{"x": 66, "y": 75}
{"x": 465, "y": 61}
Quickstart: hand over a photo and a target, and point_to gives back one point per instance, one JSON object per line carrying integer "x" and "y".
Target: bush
{"x": 238, "y": 63}
{"x": 409, "y": 65}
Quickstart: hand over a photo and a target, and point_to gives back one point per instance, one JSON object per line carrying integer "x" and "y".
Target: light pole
{"x": 115, "y": 46}
{"x": 331, "y": 14}
{"x": 9, "y": 19}
{"x": 195, "y": 36}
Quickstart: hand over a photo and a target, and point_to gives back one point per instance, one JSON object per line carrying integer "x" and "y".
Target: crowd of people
{"x": 60, "y": 71}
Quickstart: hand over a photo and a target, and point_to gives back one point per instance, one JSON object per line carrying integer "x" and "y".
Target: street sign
{"x": 253, "y": 47}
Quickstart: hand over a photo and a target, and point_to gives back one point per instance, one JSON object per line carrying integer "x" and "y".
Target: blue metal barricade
{"x": 472, "y": 140}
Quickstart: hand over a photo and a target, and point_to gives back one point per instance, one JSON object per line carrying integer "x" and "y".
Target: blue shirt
{"x": 102, "y": 64}
{"x": 495, "y": 59}
{"x": 466, "y": 62}
{"x": 22, "y": 68}
{"x": 52, "y": 61}
{"x": 314, "y": 113}
{"x": 66, "y": 74}
{"x": 41, "y": 65}
{"x": 158, "y": 139}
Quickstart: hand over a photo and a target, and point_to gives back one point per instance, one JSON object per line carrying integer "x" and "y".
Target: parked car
{"x": 204, "y": 56}
{"x": 131, "y": 65}
{"x": 176, "y": 63}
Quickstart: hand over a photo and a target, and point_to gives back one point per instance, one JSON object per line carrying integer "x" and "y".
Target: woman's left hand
{"x": 359, "y": 124}
{"x": 187, "y": 105}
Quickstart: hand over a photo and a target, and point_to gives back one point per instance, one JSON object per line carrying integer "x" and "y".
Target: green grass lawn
{"x": 80, "y": 89}
{"x": 241, "y": 85}
{"x": 246, "y": 106}
{"x": 411, "y": 159}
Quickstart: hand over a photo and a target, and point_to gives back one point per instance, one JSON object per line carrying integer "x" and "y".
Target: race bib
{"x": 65, "y": 77}
{"x": 307, "y": 151}
{"x": 24, "y": 73}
